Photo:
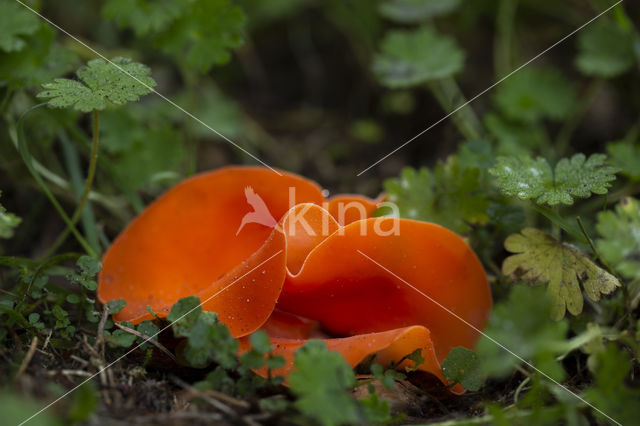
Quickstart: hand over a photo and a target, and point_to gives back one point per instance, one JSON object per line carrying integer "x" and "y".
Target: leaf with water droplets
{"x": 530, "y": 179}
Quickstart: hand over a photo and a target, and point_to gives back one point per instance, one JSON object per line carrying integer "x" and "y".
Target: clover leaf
{"x": 101, "y": 83}
{"x": 412, "y": 11}
{"x": 620, "y": 237}
{"x": 16, "y": 21}
{"x": 533, "y": 94}
{"x": 606, "y": 50}
{"x": 540, "y": 258}
{"x": 413, "y": 57}
{"x": 530, "y": 179}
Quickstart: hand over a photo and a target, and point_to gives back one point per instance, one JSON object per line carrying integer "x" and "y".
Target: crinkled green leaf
{"x": 16, "y": 22}
{"x": 619, "y": 241}
{"x": 101, "y": 83}
{"x": 462, "y": 366}
{"x": 533, "y": 94}
{"x": 205, "y": 33}
{"x": 413, "y": 57}
{"x": 412, "y": 11}
{"x": 144, "y": 16}
{"x": 530, "y": 179}
{"x": 521, "y": 323}
{"x": 322, "y": 381}
{"x": 450, "y": 195}
{"x": 626, "y": 156}
{"x": 8, "y": 222}
{"x": 605, "y": 49}
{"x": 540, "y": 258}
{"x": 260, "y": 342}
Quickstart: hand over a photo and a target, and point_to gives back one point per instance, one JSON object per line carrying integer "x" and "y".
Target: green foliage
{"x": 462, "y": 366}
{"x": 116, "y": 305}
{"x": 201, "y": 31}
{"x": 530, "y": 179}
{"x": 520, "y": 324}
{"x": 619, "y": 241}
{"x": 116, "y": 82}
{"x": 208, "y": 339}
{"x": 413, "y": 57}
{"x": 89, "y": 268}
{"x": 8, "y": 222}
{"x": 16, "y": 22}
{"x": 610, "y": 393}
{"x": 541, "y": 258}
{"x": 84, "y": 401}
{"x": 606, "y": 49}
{"x": 16, "y": 409}
{"x": 205, "y": 33}
{"x": 387, "y": 377}
{"x": 322, "y": 381}
{"x": 413, "y": 11}
{"x": 533, "y": 94}
{"x": 144, "y": 16}
{"x": 450, "y": 195}
{"x": 625, "y": 156}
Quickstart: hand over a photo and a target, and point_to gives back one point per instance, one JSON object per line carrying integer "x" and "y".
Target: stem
{"x": 26, "y": 157}
{"x": 450, "y": 97}
{"x": 502, "y": 46}
{"x": 625, "y": 290}
{"x": 564, "y": 135}
{"x": 87, "y": 188}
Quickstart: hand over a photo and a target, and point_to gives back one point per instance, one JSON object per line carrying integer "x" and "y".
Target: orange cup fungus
{"x": 268, "y": 251}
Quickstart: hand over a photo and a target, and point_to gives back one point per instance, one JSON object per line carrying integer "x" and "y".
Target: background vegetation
{"x": 539, "y": 174}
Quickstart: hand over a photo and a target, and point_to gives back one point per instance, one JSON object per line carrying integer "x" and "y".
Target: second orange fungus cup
{"x": 268, "y": 251}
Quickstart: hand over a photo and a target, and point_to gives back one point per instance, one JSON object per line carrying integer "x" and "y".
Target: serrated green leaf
{"x": 205, "y": 33}
{"x": 116, "y": 305}
{"x": 626, "y": 156}
{"x": 533, "y": 94}
{"x": 8, "y": 222}
{"x": 144, "y": 16}
{"x": 413, "y": 57}
{"x": 605, "y": 50}
{"x": 462, "y": 366}
{"x": 412, "y": 11}
{"x": 540, "y": 258}
{"x": 521, "y": 323}
{"x": 619, "y": 241}
{"x": 16, "y": 22}
{"x": 322, "y": 381}
{"x": 101, "y": 84}
{"x": 530, "y": 179}
{"x": 450, "y": 195}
